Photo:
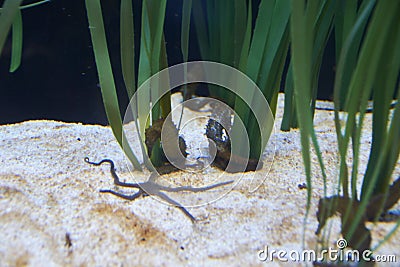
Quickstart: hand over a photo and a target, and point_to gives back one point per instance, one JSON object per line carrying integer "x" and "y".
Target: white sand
{"x": 47, "y": 191}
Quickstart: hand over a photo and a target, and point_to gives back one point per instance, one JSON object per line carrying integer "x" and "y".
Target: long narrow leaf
{"x": 246, "y": 40}
{"x": 339, "y": 85}
{"x": 389, "y": 63}
{"x": 261, "y": 30}
{"x": 106, "y": 78}
{"x": 35, "y": 4}
{"x": 144, "y": 71}
{"x": 165, "y": 101}
{"x": 254, "y": 64}
{"x": 201, "y": 30}
{"x": 186, "y": 9}
{"x": 156, "y": 51}
{"x": 16, "y": 53}
{"x": 240, "y": 29}
{"x": 7, "y": 15}
{"x": 127, "y": 46}
{"x": 303, "y": 20}
{"x": 185, "y": 29}
{"x": 289, "y": 113}
{"x": 346, "y": 16}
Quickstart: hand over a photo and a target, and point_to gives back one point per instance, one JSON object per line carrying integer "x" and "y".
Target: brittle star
{"x": 150, "y": 187}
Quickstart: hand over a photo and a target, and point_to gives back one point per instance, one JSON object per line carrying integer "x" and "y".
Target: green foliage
{"x": 303, "y": 34}
{"x": 379, "y": 55}
{"x": 225, "y": 35}
{"x": 152, "y": 58}
{"x": 347, "y": 13}
{"x": 367, "y": 40}
{"x": 106, "y": 77}
{"x": 320, "y": 20}
{"x": 10, "y": 15}
{"x": 16, "y": 42}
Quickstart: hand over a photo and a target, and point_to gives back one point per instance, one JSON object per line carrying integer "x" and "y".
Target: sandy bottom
{"x": 52, "y": 214}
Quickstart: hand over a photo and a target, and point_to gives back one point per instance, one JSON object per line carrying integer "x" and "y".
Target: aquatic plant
{"x": 226, "y": 34}
{"x": 368, "y": 42}
{"x": 11, "y": 17}
{"x": 152, "y": 58}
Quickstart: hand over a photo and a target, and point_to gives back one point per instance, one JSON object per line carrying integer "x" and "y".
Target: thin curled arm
{"x": 176, "y": 204}
{"x": 127, "y": 197}
{"x": 193, "y": 189}
{"x": 113, "y": 173}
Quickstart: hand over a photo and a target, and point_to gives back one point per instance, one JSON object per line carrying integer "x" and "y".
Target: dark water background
{"x": 57, "y": 78}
